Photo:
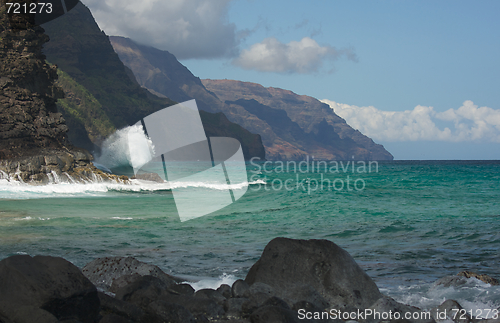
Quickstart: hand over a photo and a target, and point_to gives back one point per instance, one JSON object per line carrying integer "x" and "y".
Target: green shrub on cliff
{"x": 83, "y": 112}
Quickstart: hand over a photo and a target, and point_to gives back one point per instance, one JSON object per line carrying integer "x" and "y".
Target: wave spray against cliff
{"x": 123, "y": 149}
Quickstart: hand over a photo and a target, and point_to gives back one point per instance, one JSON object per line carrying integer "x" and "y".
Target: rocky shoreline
{"x": 293, "y": 281}
{"x": 56, "y": 166}
{"x": 34, "y": 146}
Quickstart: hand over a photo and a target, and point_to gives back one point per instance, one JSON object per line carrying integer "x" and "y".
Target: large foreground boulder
{"x": 43, "y": 288}
{"x": 291, "y": 266}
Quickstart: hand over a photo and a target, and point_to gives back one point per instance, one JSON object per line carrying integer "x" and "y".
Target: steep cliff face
{"x": 33, "y": 140}
{"x": 103, "y": 95}
{"x": 28, "y": 111}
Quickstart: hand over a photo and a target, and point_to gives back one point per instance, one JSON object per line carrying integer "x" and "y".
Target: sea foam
{"x": 125, "y": 148}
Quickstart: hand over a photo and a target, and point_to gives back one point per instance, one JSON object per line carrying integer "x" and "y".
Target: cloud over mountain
{"x": 467, "y": 123}
{"x": 304, "y": 56}
{"x": 186, "y": 28}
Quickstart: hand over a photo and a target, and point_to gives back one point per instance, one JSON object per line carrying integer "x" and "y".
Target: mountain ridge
{"x": 306, "y": 111}
{"x": 160, "y": 72}
{"x": 84, "y": 53}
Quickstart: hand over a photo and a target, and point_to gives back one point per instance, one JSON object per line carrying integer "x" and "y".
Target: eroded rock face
{"x": 290, "y": 266}
{"x": 28, "y": 112}
{"x": 33, "y": 141}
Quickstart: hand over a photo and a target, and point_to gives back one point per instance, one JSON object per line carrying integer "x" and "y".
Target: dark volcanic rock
{"x": 103, "y": 271}
{"x": 28, "y": 112}
{"x": 225, "y": 290}
{"x": 143, "y": 291}
{"x": 33, "y": 140}
{"x": 182, "y": 289}
{"x": 212, "y": 294}
{"x": 240, "y": 287}
{"x": 50, "y": 284}
{"x": 168, "y": 312}
{"x": 111, "y": 305}
{"x": 321, "y": 264}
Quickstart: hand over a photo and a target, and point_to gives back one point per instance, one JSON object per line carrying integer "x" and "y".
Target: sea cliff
{"x": 33, "y": 135}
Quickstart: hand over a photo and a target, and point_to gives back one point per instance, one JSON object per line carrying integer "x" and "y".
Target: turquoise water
{"x": 407, "y": 224}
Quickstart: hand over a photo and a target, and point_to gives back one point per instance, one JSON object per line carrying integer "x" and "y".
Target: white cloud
{"x": 467, "y": 123}
{"x": 304, "y": 56}
{"x": 186, "y": 28}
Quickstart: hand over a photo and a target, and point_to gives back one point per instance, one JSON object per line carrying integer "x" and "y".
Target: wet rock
{"x": 234, "y": 307}
{"x": 103, "y": 271}
{"x": 113, "y": 306}
{"x": 225, "y": 290}
{"x": 258, "y": 294}
{"x": 275, "y": 301}
{"x": 143, "y": 291}
{"x": 484, "y": 278}
{"x": 123, "y": 281}
{"x": 199, "y": 307}
{"x": 55, "y": 166}
{"x": 239, "y": 288}
{"x": 182, "y": 289}
{"x": 212, "y": 294}
{"x": 321, "y": 264}
{"x": 308, "y": 294}
{"x": 259, "y": 290}
{"x": 153, "y": 177}
{"x": 167, "y": 312}
{"x": 51, "y": 284}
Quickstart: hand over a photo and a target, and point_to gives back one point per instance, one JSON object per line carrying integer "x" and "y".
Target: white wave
{"x": 24, "y": 219}
{"x": 214, "y": 283}
{"x": 16, "y": 190}
{"x": 214, "y": 186}
{"x": 120, "y": 218}
{"x": 125, "y": 147}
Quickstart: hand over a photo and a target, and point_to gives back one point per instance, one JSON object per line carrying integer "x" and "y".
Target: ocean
{"x": 406, "y": 223}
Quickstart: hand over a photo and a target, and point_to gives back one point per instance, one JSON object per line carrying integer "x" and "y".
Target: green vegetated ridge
{"x": 102, "y": 95}
{"x": 83, "y": 113}
{"x": 79, "y": 48}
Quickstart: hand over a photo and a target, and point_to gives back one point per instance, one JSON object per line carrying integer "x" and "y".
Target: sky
{"x": 420, "y": 77}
